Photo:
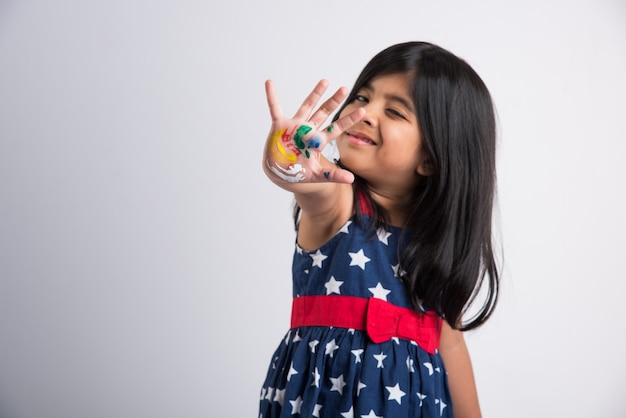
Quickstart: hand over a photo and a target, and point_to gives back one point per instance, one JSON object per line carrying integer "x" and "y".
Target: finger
{"x": 340, "y": 125}
{"x": 311, "y": 100}
{"x": 276, "y": 111}
{"x": 338, "y": 175}
{"x": 329, "y": 106}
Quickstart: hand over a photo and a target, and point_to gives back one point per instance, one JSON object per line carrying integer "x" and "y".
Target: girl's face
{"x": 385, "y": 148}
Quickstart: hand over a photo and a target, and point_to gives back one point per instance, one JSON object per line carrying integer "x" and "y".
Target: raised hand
{"x": 294, "y": 146}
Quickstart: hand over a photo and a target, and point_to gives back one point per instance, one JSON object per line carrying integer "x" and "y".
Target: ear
{"x": 425, "y": 167}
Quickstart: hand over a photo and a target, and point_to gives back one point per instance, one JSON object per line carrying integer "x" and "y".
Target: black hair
{"x": 448, "y": 256}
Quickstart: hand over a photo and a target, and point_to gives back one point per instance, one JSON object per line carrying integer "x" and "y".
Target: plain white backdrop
{"x": 145, "y": 258}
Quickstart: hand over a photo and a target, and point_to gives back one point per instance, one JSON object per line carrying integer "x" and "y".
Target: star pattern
{"x": 358, "y": 259}
{"x": 332, "y": 286}
{"x": 421, "y": 398}
{"x": 331, "y": 347}
{"x": 345, "y": 228}
{"x": 360, "y": 386}
{"x": 410, "y": 364}
{"x": 349, "y": 413}
{"x": 379, "y": 358}
{"x": 395, "y": 394}
{"x": 337, "y": 384}
{"x": 442, "y": 405}
{"x": 316, "y": 378}
{"x": 379, "y": 291}
{"x": 383, "y": 235}
{"x": 279, "y": 396}
{"x": 318, "y": 258}
{"x": 296, "y": 404}
{"x": 315, "y": 364}
{"x": 292, "y": 371}
{"x": 357, "y": 355}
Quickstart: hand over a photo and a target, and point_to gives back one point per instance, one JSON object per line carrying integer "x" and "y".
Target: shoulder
{"x": 324, "y": 212}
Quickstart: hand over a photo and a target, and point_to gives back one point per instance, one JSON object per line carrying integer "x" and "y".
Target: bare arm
{"x": 460, "y": 374}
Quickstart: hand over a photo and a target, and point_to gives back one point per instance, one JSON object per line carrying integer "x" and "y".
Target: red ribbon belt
{"x": 380, "y": 319}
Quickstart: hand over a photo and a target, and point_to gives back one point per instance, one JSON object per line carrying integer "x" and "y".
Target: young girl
{"x": 393, "y": 240}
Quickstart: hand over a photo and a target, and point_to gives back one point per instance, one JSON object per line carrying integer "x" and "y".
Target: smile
{"x": 360, "y": 139}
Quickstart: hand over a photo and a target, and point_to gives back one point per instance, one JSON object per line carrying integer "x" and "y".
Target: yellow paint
{"x": 281, "y": 155}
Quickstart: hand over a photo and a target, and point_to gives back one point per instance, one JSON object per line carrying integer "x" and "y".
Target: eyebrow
{"x": 394, "y": 98}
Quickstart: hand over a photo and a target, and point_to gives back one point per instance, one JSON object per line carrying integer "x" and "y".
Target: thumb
{"x": 338, "y": 175}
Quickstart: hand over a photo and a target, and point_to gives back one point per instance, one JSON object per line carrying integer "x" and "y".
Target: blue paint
{"x": 315, "y": 142}
{"x": 326, "y": 174}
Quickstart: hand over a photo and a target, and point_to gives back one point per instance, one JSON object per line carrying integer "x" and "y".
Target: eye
{"x": 397, "y": 114}
{"x": 361, "y": 98}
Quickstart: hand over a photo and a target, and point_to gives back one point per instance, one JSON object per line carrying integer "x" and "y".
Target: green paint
{"x": 300, "y": 133}
{"x": 330, "y": 128}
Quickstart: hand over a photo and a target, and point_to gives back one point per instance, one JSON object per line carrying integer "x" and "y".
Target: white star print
{"x": 380, "y": 357}
{"x": 379, "y": 291}
{"x": 313, "y": 344}
{"x": 396, "y": 270}
{"x": 332, "y": 286}
{"x": 295, "y": 405}
{"x": 371, "y": 415}
{"x": 318, "y": 257}
{"x": 263, "y": 390}
{"x": 287, "y": 337}
{"x": 358, "y": 259}
{"x": 297, "y": 337}
{"x": 410, "y": 364}
{"x": 348, "y": 414}
{"x": 331, "y": 347}
{"x": 383, "y": 235}
{"x": 442, "y": 405}
{"x": 270, "y": 393}
{"x": 338, "y": 384}
{"x": 360, "y": 386}
{"x": 279, "y": 396}
{"x": 357, "y": 355}
{"x": 316, "y": 410}
{"x": 292, "y": 371}
{"x": 396, "y": 340}
{"x": 395, "y": 394}
{"x": 429, "y": 366}
{"x": 345, "y": 226}
{"x": 422, "y": 397}
{"x": 316, "y": 378}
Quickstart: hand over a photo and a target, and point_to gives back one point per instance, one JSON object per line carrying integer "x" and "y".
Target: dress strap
{"x": 380, "y": 319}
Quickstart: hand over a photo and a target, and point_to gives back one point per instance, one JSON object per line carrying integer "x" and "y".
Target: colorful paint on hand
{"x": 283, "y": 149}
{"x": 330, "y": 128}
{"x": 293, "y": 174}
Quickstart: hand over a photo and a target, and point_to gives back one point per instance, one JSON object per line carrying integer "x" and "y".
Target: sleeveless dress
{"x": 326, "y": 371}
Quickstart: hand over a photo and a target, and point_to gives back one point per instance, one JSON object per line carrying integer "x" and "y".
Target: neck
{"x": 396, "y": 206}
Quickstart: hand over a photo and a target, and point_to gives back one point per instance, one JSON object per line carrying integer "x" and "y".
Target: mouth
{"x": 359, "y": 138}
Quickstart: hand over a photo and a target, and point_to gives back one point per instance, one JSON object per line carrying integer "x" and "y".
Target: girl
{"x": 393, "y": 240}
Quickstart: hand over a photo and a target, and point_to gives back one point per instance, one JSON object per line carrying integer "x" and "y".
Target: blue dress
{"x": 325, "y": 371}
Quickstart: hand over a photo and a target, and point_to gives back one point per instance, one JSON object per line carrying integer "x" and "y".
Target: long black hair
{"x": 449, "y": 256}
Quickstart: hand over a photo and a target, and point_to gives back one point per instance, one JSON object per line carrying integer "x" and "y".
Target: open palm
{"x": 294, "y": 146}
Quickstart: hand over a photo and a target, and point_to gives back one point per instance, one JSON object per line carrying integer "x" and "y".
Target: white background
{"x": 145, "y": 258}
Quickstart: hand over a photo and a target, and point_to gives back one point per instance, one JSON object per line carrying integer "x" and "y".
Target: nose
{"x": 370, "y": 116}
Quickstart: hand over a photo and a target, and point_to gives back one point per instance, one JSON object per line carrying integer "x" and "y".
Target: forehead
{"x": 392, "y": 86}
